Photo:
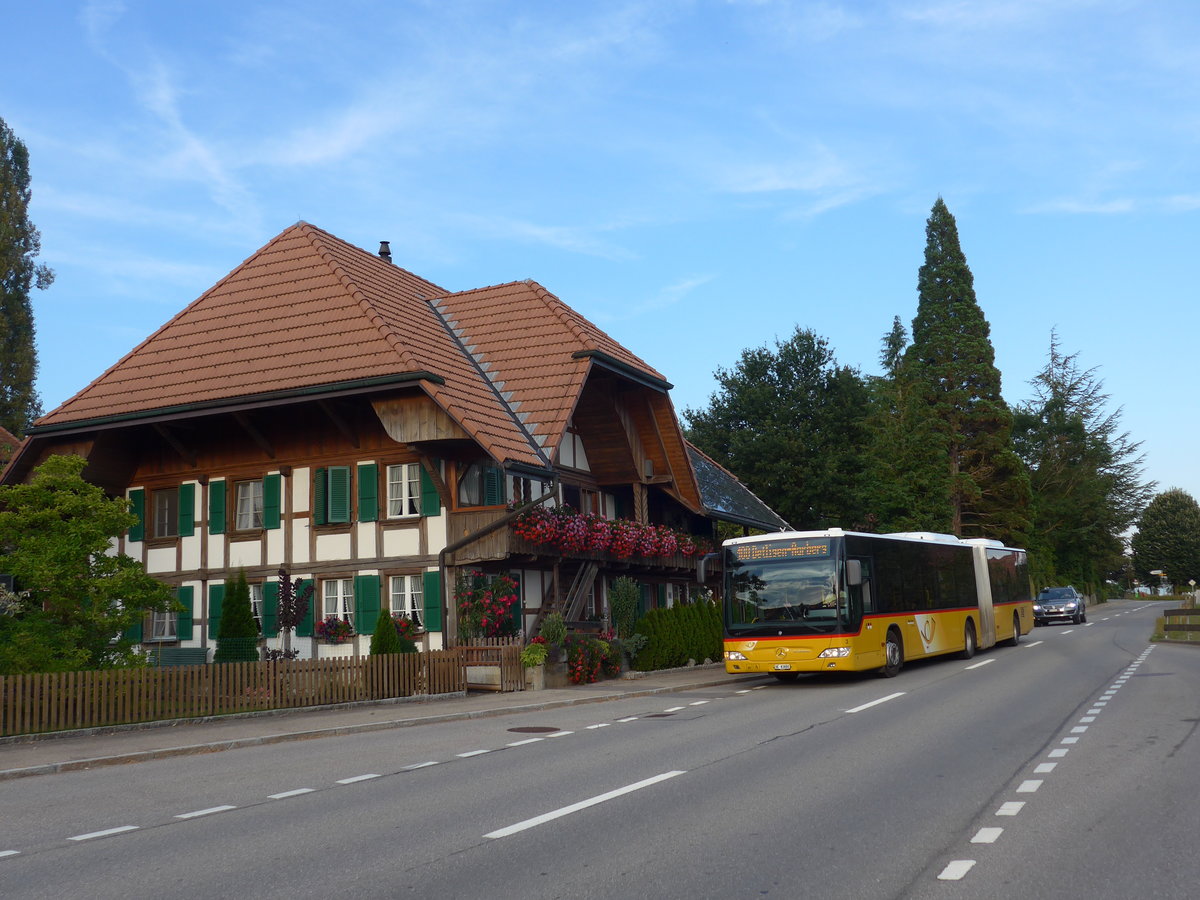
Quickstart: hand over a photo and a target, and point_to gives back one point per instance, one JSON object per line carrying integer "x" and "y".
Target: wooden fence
{"x": 494, "y": 667}
{"x": 59, "y": 701}
{"x": 1180, "y": 624}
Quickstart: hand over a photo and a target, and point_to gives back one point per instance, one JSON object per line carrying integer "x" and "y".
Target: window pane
{"x": 166, "y": 513}
{"x": 414, "y": 489}
{"x": 250, "y": 504}
{"x": 395, "y": 489}
{"x": 256, "y": 604}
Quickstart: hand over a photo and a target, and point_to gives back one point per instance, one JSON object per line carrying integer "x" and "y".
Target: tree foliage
{"x": 1085, "y": 472}
{"x": 385, "y": 639}
{"x": 55, "y": 536}
{"x": 790, "y": 423}
{"x": 953, "y": 460}
{"x": 20, "y": 243}
{"x": 237, "y": 632}
{"x": 1168, "y": 538}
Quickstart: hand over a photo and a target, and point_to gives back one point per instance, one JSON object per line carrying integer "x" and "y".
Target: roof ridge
{"x": 565, "y": 314}
{"x": 386, "y": 331}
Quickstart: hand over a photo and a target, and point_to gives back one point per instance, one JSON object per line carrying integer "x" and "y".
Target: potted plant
{"x": 334, "y": 630}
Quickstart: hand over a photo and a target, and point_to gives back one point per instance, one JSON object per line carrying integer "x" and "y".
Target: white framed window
{"x": 162, "y": 626}
{"x": 404, "y": 490}
{"x": 249, "y": 498}
{"x": 338, "y": 596}
{"x": 256, "y": 604}
{"x": 166, "y": 513}
{"x": 406, "y": 596}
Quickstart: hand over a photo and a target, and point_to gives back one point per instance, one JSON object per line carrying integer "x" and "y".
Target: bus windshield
{"x": 794, "y": 593}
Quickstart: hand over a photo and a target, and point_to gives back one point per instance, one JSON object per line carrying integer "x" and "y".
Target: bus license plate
{"x": 781, "y": 667}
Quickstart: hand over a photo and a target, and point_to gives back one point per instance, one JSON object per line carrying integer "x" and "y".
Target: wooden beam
{"x": 257, "y": 436}
{"x": 439, "y": 482}
{"x": 184, "y": 453}
{"x": 339, "y": 422}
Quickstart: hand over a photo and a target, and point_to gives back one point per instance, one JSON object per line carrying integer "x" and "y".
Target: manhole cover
{"x": 534, "y": 729}
{"x": 659, "y": 716}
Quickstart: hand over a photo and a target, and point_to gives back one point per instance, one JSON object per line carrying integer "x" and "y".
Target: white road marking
{"x": 424, "y": 765}
{"x": 697, "y": 703}
{"x": 1030, "y": 647}
{"x": 987, "y": 835}
{"x": 1058, "y": 754}
{"x": 746, "y": 691}
{"x": 876, "y": 702}
{"x": 1030, "y": 786}
{"x": 286, "y": 794}
{"x": 4, "y": 853}
{"x": 205, "y": 812}
{"x": 560, "y": 734}
{"x": 470, "y": 753}
{"x": 105, "y": 833}
{"x": 1087, "y": 718}
{"x": 1069, "y": 740}
{"x": 628, "y": 719}
{"x": 1094, "y": 712}
{"x": 1079, "y": 729}
{"x": 1068, "y": 631}
{"x": 1044, "y": 768}
{"x": 956, "y": 870}
{"x": 1011, "y": 808}
{"x": 526, "y": 741}
{"x": 981, "y": 664}
{"x": 581, "y": 805}
{"x": 600, "y": 725}
{"x": 675, "y": 709}
{"x": 357, "y": 778}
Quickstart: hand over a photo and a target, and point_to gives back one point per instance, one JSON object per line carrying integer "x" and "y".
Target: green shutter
{"x": 134, "y": 633}
{"x": 305, "y": 628}
{"x": 366, "y": 603}
{"x": 272, "y": 490}
{"x": 217, "y": 492}
{"x": 662, "y": 596}
{"x": 183, "y": 626}
{"x": 368, "y": 493}
{"x": 320, "y": 503}
{"x": 493, "y": 486}
{"x": 270, "y": 609}
{"x": 216, "y": 594}
{"x": 431, "y": 500}
{"x": 432, "y": 600}
{"x": 187, "y": 509}
{"x": 339, "y": 494}
{"x": 137, "y": 506}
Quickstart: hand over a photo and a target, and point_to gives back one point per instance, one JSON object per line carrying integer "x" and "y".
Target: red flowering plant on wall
{"x": 334, "y": 630}
{"x": 485, "y": 606}
{"x": 405, "y": 627}
{"x": 571, "y": 532}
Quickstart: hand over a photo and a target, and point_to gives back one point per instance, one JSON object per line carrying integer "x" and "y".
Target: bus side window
{"x": 858, "y": 589}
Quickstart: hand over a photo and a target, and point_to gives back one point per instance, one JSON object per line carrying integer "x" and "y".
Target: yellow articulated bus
{"x": 842, "y": 601}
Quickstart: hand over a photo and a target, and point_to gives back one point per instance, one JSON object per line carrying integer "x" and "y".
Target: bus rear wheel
{"x": 968, "y": 649}
{"x": 893, "y": 654}
{"x": 1016, "y": 637}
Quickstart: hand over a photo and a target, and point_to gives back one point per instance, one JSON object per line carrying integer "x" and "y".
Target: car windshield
{"x": 1057, "y": 594}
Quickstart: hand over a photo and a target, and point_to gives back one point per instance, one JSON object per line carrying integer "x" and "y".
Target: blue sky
{"x": 695, "y": 177}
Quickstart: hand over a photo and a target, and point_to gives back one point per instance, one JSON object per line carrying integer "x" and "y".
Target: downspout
{"x": 499, "y": 523}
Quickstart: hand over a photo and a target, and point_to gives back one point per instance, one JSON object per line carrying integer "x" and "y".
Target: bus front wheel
{"x": 893, "y": 654}
{"x": 1016, "y": 637}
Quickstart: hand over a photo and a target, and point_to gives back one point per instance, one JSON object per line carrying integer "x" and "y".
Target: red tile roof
{"x": 310, "y": 310}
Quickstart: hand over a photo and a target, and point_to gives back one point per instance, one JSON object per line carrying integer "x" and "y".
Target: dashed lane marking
{"x": 92, "y": 835}
{"x": 987, "y": 835}
{"x": 205, "y": 812}
{"x": 956, "y": 870}
{"x": 356, "y": 779}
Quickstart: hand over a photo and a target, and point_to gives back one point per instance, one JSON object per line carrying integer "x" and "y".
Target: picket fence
{"x": 60, "y": 701}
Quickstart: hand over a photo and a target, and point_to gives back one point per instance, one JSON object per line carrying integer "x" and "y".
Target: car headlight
{"x": 1071, "y": 605}
{"x": 1037, "y": 607}
{"x": 734, "y": 654}
{"x": 833, "y": 652}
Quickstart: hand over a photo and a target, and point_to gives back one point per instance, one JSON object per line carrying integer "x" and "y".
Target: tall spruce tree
{"x": 20, "y": 243}
{"x": 1085, "y": 472}
{"x": 790, "y": 423}
{"x": 957, "y": 456}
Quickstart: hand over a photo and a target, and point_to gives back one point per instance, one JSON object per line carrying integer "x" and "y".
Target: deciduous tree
{"x": 1168, "y": 538}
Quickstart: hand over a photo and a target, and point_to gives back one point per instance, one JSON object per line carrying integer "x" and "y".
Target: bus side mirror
{"x": 853, "y": 572}
{"x": 702, "y": 567}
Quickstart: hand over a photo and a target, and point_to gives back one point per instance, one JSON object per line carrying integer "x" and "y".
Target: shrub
{"x": 676, "y": 635}
{"x": 386, "y": 638}
{"x": 623, "y": 602}
{"x": 237, "y": 634}
{"x": 554, "y": 629}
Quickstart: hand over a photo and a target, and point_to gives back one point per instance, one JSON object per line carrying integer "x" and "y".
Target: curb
{"x": 76, "y": 765}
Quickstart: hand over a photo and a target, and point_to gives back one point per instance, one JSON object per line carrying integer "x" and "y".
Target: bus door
{"x": 983, "y": 587}
{"x": 860, "y": 617}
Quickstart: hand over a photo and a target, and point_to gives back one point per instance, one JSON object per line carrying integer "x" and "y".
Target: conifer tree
{"x": 237, "y": 636}
{"x": 385, "y": 639}
{"x": 957, "y": 458}
{"x": 20, "y": 243}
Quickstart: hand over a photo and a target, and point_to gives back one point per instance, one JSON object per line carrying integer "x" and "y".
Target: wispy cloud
{"x": 573, "y": 239}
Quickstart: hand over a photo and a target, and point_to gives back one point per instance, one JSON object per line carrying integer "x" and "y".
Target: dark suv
{"x": 1059, "y": 603}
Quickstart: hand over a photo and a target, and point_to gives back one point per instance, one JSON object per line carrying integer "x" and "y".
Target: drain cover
{"x": 658, "y": 716}
{"x": 534, "y": 729}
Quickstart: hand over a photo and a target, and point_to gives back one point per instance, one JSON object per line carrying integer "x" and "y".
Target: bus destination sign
{"x": 773, "y": 550}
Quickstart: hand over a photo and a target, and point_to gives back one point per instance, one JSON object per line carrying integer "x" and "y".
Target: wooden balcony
{"x": 503, "y": 544}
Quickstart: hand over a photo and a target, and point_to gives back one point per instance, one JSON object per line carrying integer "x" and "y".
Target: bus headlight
{"x": 734, "y": 654}
{"x": 833, "y": 652}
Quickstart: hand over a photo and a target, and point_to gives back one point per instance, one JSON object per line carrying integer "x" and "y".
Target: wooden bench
{"x": 179, "y": 656}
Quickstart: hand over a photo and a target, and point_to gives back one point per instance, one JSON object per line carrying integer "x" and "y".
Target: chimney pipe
{"x": 385, "y": 252}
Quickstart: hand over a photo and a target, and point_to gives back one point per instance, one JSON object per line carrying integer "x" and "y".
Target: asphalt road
{"x": 1064, "y": 767}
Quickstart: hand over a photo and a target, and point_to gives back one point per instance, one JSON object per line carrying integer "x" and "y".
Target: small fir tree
{"x": 385, "y": 639}
{"x": 237, "y": 635}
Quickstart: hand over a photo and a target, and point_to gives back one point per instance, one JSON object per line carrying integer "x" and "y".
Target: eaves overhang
{"x": 237, "y": 404}
{"x": 605, "y": 361}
